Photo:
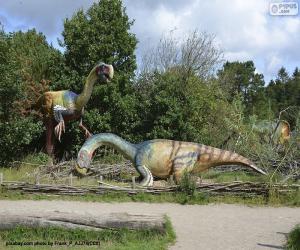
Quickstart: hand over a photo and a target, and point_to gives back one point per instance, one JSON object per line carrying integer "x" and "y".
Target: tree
{"x": 190, "y": 111}
{"x": 102, "y": 33}
{"x": 283, "y": 94}
{"x": 197, "y": 54}
{"x": 276, "y": 91}
{"x": 293, "y": 89}
{"x": 241, "y": 78}
{"x": 27, "y": 63}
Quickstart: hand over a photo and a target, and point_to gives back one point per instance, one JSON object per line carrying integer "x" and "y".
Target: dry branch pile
{"x": 64, "y": 169}
{"x": 108, "y": 171}
{"x": 246, "y": 188}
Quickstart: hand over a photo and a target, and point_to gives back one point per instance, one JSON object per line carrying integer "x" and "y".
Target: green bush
{"x": 293, "y": 242}
{"x": 187, "y": 184}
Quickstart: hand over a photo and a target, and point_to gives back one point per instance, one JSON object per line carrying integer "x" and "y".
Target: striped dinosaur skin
{"x": 161, "y": 158}
{"x": 59, "y": 107}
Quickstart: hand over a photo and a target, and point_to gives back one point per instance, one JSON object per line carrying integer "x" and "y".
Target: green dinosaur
{"x": 278, "y": 133}
{"x": 161, "y": 158}
{"x": 58, "y": 107}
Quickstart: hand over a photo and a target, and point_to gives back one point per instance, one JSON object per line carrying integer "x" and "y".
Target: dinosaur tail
{"x": 218, "y": 157}
{"x": 86, "y": 152}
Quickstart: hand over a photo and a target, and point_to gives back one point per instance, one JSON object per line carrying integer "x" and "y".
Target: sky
{"x": 244, "y": 29}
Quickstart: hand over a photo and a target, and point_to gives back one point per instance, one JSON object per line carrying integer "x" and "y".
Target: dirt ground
{"x": 197, "y": 226}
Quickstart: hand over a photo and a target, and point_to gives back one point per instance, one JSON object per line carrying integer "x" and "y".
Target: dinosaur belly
{"x": 164, "y": 158}
{"x": 157, "y": 158}
{"x": 75, "y": 115}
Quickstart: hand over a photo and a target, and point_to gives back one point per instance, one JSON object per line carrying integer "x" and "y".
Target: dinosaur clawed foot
{"x": 87, "y": 133}
{"x": 59, "y": 128}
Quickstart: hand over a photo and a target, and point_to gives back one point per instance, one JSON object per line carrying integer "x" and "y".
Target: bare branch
{"x": 197, "y": 53}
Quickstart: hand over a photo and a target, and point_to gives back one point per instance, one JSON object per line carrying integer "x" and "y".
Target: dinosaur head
{"x": 105, "y": 72}
{"x": 83, "y": 162}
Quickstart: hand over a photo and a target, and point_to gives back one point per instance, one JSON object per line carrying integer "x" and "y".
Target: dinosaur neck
{"x": 85, "y": 95}
{"x": 127, "y": 149}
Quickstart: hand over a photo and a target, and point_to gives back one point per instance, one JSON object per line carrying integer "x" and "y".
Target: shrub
{"x": 293, "y": 242}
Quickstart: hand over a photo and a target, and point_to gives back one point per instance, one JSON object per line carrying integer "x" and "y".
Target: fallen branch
{"x": 10, "y": 220}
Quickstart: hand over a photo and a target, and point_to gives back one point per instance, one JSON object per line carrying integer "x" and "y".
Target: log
{"x": 114, "y": 221}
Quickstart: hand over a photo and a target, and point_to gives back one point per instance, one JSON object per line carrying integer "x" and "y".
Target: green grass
{"x": 293, "y": 242}
{"x": 235, "y": 176}
{"x": 78, "y": 239}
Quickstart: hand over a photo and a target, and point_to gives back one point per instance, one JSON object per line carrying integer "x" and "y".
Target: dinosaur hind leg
{"x": 147, "y": 178}
{"x": 177, "y": 175}
{"x": 84, "y": 129}
{"x": 49, "y": 138}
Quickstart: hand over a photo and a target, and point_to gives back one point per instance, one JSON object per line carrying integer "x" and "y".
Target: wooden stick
{"x": 1, "y": 178}
{"x": 171, "y": 180}
{"x": 71, "y": 179}
{"x": 37, "y": 179}
{"x": 133, "y": 182}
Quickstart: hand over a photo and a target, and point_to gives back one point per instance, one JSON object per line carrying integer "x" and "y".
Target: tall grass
{"x": 293, "y": 242}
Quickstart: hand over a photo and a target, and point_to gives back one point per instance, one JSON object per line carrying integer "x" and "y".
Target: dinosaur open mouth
{"x": 105, "y": 72}
{"x": 107, "y": 76}
{"x": 81, "y": 171}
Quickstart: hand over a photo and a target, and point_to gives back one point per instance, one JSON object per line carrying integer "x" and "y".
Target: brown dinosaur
{"x": 161, "y": 158}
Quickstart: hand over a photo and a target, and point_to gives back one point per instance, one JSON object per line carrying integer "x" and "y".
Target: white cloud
{"x": 244, "y": 29}
{"x": 238, "y": 56}
{"x": 273, "y": 63}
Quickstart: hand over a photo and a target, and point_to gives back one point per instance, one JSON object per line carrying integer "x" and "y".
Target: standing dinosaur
{"x": 160, "y": 157}
{"x": 58, "y": 107}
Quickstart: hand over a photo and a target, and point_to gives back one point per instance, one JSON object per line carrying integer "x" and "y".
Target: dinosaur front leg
{"x": 147, "y": 178}
{"x": 59, "y": 128}
{"x": 58, "y": 112}
{"x": 85, "y": 130}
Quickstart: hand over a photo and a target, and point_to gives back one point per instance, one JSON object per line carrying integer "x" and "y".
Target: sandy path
{"x": 197, "y": 227}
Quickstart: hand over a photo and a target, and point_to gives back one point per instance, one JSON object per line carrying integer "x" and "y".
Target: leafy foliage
{"x": 27, "y": 63}
{"x": 184, "y": 109}
{"x": 293, "y": 242}
{"x": 240, "y": 78}
{"x": 101, "y": 34}
{"x": 187, "y": 184}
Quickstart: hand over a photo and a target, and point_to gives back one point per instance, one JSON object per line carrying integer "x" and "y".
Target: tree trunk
{"x": 90, "y": 222}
